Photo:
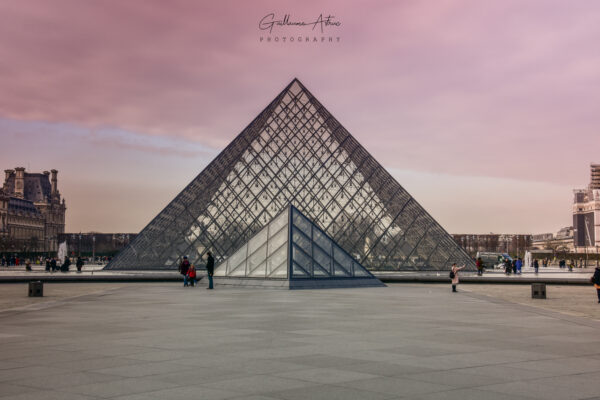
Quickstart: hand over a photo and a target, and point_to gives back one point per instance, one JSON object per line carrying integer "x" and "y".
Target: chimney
{"x": 54, "y": 182}
{"x": 7, "y": 174}
{"x": 20, "y": 182}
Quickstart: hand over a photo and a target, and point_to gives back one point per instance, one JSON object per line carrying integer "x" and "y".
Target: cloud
{"x": 464, "y": 87}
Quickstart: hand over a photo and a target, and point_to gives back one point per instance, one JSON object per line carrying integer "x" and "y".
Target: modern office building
{"x": 295, "y": 153}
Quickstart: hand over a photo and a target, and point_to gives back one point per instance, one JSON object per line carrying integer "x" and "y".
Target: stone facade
{"x": 586, "y": 213}
{"x": 561, "y": 241}
{"x": 32, "y": 213}
{"x": 95, "y": 244}
{"x": 514, "y": 244}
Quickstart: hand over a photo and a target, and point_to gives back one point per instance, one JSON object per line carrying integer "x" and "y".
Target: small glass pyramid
{"x": 292, "y": 251}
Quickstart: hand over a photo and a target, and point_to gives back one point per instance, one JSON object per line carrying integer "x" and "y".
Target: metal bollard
{"x": 538, "y": 290}
{"x": 36, "y": 289}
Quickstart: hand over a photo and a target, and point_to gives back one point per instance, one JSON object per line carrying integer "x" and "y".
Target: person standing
{"x": 507, "y": 266}
{"x": 536, "y": 265}
{"x": 183, "y": 270}
{"x": 479, "y": 265}
{"x": 79, "y": 264}
{"x": 192, "y": 275}
{"x": 27, "y": 265}
{"x": 545, "y": 263}
{"x": 596, "y": 281}
{"x": 53, "y": 264}
{"x": 454, "y": 275}
{"x": 210, "y": 269}
{"x": 519, "y": 264}
{"x": 65, "y": 266}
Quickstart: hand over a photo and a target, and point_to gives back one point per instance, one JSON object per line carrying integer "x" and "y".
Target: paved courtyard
{"x": 161, "y": 341}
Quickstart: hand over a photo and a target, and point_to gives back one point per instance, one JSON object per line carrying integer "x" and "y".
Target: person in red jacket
{"x": 192, "y": 276}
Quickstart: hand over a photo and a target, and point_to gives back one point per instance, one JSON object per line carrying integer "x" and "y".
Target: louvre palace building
{"x": 32, "y": 213}
{"x": 294, "y": 154}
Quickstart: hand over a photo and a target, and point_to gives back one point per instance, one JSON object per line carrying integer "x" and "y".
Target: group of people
{"x": 513, "y": 266}
{"x": 52, "y": 264}
{"x": 190, "y": 276}
{"x": 7, "y": 261}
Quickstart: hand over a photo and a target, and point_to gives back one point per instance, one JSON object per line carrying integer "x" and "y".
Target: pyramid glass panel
{"x": 294, "y": 152}
{"x": 310, "y": 258}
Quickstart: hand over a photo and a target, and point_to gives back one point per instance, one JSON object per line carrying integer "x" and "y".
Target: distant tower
{"x": 54, "y": 181}
{"x": 20, "y": 182}
{"x": 595, "y": 172}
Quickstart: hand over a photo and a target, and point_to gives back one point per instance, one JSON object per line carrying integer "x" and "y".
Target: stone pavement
{"x": 162, "y": 341}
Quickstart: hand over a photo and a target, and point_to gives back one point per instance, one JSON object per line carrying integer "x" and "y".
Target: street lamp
{"x": 588, "y": 241}
{"x": 93, "y": 248}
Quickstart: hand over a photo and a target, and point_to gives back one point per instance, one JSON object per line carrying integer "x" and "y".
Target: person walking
{"x": 596, "y": 281}
{"x": 79, "y": 264}
{"x": 479, "y": 265}
{"x": 183, "y": 270}
{"x": 519, "y": 265}
{"x": 210, "y": 269}
{"x": 454, "y": 275}
{"x": 536, "y": 265}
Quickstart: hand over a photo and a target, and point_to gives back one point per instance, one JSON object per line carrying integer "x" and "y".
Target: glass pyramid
{"x": 291, "y": 248}
{"x": 295, "y": 152}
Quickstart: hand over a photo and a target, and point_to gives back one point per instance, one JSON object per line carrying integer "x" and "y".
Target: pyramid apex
{"x": 297, "y": 81}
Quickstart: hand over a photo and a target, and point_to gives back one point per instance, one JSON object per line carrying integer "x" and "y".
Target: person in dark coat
{"x": 507, "y": 266}
{"x": 210, "y": 269}
{"x": 184, "y": 266}
{"x": 79, "y": 264}
{"x": 66, "y": 265}
{"x": 47, "y": 264}
{"x": 596, "y": 281}
{"x": 53, "y": 264}
{"x": 536, "y": 265}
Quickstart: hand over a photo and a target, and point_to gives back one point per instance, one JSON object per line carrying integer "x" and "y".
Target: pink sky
{"x": 485, "y": 111}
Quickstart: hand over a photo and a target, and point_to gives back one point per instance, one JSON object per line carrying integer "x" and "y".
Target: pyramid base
{"x": 298, "y": 283}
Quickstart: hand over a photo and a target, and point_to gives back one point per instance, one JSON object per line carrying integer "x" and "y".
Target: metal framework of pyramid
{"x": 292, "y": 252}
{"x": 295, "y": 152}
